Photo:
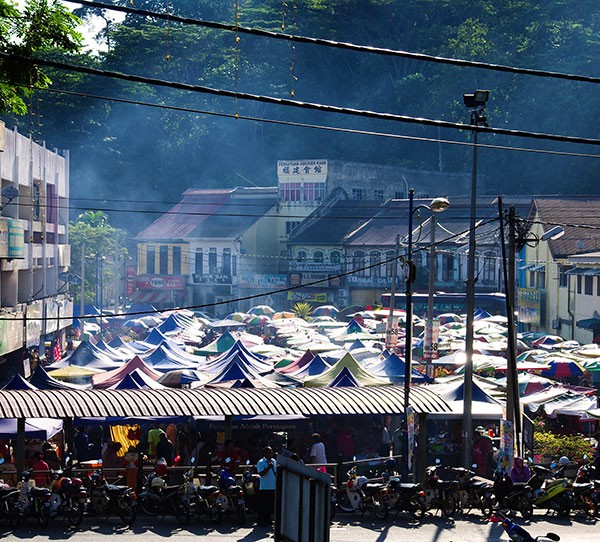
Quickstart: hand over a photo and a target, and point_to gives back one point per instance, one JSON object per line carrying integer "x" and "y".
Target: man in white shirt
{"x": 267, "y": 470}
{"x": 317, "y": 452}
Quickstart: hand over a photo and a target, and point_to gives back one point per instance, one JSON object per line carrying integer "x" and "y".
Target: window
{"x": 318, "y": 256}
{"x": 176, "y": 261}
{"x": 336, "y": 257}
{"x": 358, "y": 261}
{"x": 399, "y": 195}
{"x": 357, "y": 193}
{"x": 36, "y": 201}
{"x": 377, "y": 194}
{"x": 234, "y": 265}
{"x": 290, "y": 225}
{"x": 212, "y": 261}
{"x": 598, "y": 286}
{"x": 375, "y": 258}
{"x": 199, "y": 262}
{"x": 489, "y": 267}
{"x": 390, "y": 262}
{"x": 589, "y": 285}
{"x": 309, "y": 191}
{"x": 541, "y": 280}
{"x": 563, "y": 278}
{"x": 578, "y": 284}
{"x": 150, "y": 260}
{"x": 319, "y": 191}
{"x": 226, "y": 262}
{"x": 531, "y": 279}
{"x": 301, "y": 255}
{"x": 51, "y": 205}
{"x": 164, "y": 260}
{"x": 289, "y": 191}
{"x": 448, "y": 268}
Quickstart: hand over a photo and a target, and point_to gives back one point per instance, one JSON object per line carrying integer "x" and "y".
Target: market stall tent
{"x": 363, "y": 377}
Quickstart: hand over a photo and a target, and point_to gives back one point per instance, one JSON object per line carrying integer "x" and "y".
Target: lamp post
{"x": 437, "y": 205}
{"x": 475, "y": 103}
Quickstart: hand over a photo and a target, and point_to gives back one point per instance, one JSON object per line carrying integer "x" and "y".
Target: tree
{"x": 40, "y": 26}
{"x": 92, "y": 230}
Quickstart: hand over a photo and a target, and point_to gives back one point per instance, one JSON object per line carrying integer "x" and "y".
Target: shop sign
{"x": 410, "y": 424}
{"x": 507, "y": 445}
{"x": 3, "y": 238}
{"x": 529, "y": 303}
{"x": 262, "y": 281}
{"x": 324, "y": 280}
{"x": 290, "y": 170}
{"x": 391, "y": 333}
{"x": 307, "y": 296}
{"x": 2, "y": 135}
{"x": 369, "y": 282}
{"x": 16, "y": 238}
{"x": 160, "y": 282}
{"x": 35, "y": 312}
{"x": 315, "y": 267}
{"x": 129, "y": 280}
{"x": 214, "y": 278}
{"x": 11, "y": 332}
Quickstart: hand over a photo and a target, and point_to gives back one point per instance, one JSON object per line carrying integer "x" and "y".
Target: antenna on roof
{"x": 247, "y": 180}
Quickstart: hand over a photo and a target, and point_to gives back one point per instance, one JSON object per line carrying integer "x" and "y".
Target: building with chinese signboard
{"x": 34, "y": 247}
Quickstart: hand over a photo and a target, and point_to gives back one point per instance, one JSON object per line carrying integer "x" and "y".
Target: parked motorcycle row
{"x": 451, "y": 490}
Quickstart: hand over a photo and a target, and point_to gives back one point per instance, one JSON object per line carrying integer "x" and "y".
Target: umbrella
{"x": 547, "y": 341}
{"x": 449, "y": 317}
{"x": 283, "y": 315}
{"x": 73, "y": 371}
{"x": 325, "y": 310}
{"x": 258, "y": 320}
{"x": 236, "y": 316}
{"x": 559, "y": 369}
{"x": 262, "y": 310}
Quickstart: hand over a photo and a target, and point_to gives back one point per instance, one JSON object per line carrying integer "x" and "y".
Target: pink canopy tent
{"x": 298, "y": 364}
{"x": 110, "y": 378}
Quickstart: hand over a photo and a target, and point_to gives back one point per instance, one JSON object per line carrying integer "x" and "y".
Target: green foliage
{"x": 550, "y": 447}
{"x": 92, "y": 230}
{"x": 42, "y": 25}
{"x": 302, "y": 310}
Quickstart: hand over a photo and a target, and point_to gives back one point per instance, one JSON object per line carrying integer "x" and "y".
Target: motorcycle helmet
{"x": 76, "y": 482}
{"x": 247, "y": 476}
{"x": 564, "y": 460}
{"x": 361, "y": 481}
{"x": 161, "y": 469}
{"x": 158, "y": 482}
{"x": 390, "y": 464}
{"x": 64, "y": 484}
{"x": 227, "y": 480}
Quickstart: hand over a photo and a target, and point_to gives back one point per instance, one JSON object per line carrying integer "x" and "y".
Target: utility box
{"x": 302, "y": 503}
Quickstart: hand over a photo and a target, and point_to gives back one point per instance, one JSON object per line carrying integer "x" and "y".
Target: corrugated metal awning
{"x": 229, "y": 402}
{"x": 583, "y": 271}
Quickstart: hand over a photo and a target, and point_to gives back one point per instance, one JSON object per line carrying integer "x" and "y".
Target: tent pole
{"x": 20, "y": 451}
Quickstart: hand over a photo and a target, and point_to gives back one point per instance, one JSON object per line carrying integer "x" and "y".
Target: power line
{"x": 262, "y": 294}
{"x": 320, "y": 126}
{"x": 342, "y": 45}
{"x": 296, "y": 103}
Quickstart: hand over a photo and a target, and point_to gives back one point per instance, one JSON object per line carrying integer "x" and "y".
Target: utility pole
{"x": 82, "y": 294}
{"x": 432, "y": 257}
{"x": 391, "y": 329}
{"x": 116, "y": 272}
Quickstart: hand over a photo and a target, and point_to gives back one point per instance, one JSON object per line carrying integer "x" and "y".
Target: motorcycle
{"x": 107, "y": 499}
{"x": 35, "y": 501}
{"x": 158, "y": 497}
{"x": 68, "y": 498}
{"x": 585, "y": 489}
{"x": 204, "y": 500}
{"x": 362, "y": 496}
{"x": 550, "y": 492}
{"x": 516, "y": 533}
{"x": 10, "y": 504}
{"x": 232, "y": 496}
{"x": 406, "y": 497}
{"x": 473, "y": 492}
{"x": 441, "y": 494}
{"x": 513, "y": 496}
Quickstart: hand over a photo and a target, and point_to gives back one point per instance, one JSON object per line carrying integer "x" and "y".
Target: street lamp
{"x": 437, "y": 205}
{"x": 475, "y": 103}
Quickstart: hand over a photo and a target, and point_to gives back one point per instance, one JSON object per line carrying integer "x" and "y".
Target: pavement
{"x": 345, "y": 528}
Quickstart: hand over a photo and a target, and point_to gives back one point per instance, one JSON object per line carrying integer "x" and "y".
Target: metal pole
{"x": 409, "y": 318}
{"x": 116, "y": 271}
{"x": 82, "y": 300}
{"x": 512, "y": 379}
{"x": 389, "y": 344}
{"x": 468, "y": 381}
{"x": 432, "y": 256}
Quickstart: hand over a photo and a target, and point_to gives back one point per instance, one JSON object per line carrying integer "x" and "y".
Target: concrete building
{"x": 34, "y": 247}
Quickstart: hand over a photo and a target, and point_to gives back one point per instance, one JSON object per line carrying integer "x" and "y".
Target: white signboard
{"x": 289, "y": 171}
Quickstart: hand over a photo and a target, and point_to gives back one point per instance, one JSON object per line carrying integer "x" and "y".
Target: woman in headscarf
{"x": 520, "y": 471}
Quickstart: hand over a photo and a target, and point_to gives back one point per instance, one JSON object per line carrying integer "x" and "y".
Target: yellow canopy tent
{"x": 364, "y": 378}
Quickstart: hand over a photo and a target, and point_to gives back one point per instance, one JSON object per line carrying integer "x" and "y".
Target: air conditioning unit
{"x": 555, "y": 324}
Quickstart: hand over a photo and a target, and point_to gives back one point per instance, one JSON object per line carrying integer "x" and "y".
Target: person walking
{"x": 317, "y": 451}
{"x": 267, "y": 470}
